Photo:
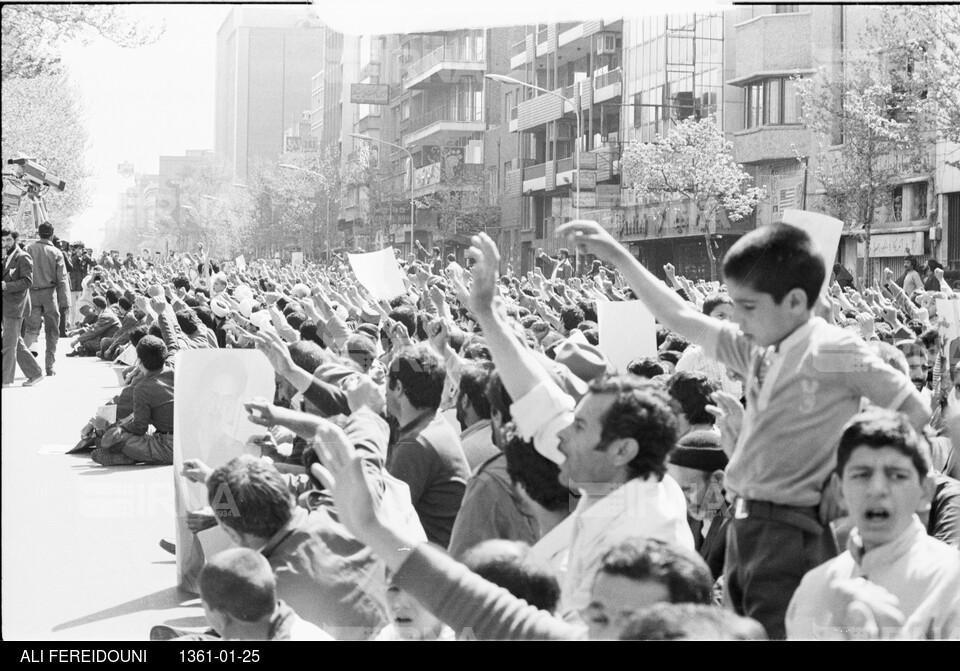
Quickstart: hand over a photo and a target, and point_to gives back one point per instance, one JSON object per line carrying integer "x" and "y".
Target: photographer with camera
{"x": 49, "y": 275}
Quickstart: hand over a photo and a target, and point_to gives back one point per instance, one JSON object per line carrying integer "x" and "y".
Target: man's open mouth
{"x": 877, "y": 515}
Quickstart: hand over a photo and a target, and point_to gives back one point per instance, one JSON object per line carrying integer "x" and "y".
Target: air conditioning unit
{"x": 607, "y": 43}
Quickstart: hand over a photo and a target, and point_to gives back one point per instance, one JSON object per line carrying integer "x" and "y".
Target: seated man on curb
{"x": 87, "y": 342}
{"x": 239, "y": 596}
{"x": 129, "y": 441}
{"x": 894, "y": 579}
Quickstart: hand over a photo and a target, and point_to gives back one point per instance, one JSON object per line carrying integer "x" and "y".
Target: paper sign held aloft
{"x": 823, "y": 230}
{"x": 948, "y": 312}
{"x": 627, "y": 330}
{"x": 241, "y": 263}
{"x": 296, "y": 259}
{"x": 379, "y": 272}
{"x": 128, "y": 355}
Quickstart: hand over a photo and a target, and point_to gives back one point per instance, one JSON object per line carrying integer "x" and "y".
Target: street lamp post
{"x": 503, "y": 79}
{"x": 367, "y": 138}
{"x": 289, "y": 166}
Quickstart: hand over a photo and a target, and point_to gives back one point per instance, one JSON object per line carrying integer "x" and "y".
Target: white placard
{"x": 948, "y": 312}
{"x": 128, "y": 356}
{"x": 108, "y": 413}
{"x": 379, "y": 272}
{"x": 241, "y": 264}
{"x": 823, "y": 230}
{"x": 211, "y": 424}
{"x": 627, "y": 330}
{"x": 296, "y": 259}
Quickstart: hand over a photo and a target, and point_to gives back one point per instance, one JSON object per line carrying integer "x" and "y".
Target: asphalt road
{"x": 81, "y": 560}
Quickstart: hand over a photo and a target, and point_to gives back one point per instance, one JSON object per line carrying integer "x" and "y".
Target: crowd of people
{"x": 464, "y": 462}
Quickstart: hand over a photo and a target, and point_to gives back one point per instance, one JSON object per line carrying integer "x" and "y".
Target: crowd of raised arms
{"x": 464, "y": 462}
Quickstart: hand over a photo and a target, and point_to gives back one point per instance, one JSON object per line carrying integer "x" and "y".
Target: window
{"x": 405, "y": 110}
{"x": 919, "y": 201}
{"x": 898, "y": 203}
{"x": 772, "y": 102}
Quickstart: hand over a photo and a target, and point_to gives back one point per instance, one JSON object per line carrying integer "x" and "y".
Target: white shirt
{"x": 920, "y": 571}
{"x": 695, "y": 359}
{"x": 644, "y": 508}
{"x": 553, "y": 549}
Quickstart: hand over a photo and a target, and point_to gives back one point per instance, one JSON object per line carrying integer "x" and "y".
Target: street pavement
{"x": 81, "y": 560}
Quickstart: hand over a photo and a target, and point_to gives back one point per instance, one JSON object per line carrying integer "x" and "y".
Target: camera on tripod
{"x": 24, "y": 186}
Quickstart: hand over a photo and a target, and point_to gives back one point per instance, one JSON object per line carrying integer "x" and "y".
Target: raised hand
{"x": 261, "y": 411}
{"x": 485, "y": 273}
{"x": 591, "y": 238}
{"x": 670, "y": 271}
{"x": 195, "y": 470}
{"x": 363, "y": 391}
{"x": 867, "y": 325}
{"x": 273, "y": 347}
{"x": 729, "y": 415}
{"x": 887, "y": 276}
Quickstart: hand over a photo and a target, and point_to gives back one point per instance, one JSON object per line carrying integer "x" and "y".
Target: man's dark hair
{"x": 307, "y": 355}
{"x": 647, "y": 367}
{"x": 111, "y": 296}
{"x": 361, "y": 350}
{"x": 308, "y": 331}
{"x": 776, "y": 259}
{"x": 295, "y": 320}
{"x": 683, "y": 572}
{"x": 100, "y": 302}
{"x": 407, "y": 316}
{"x": 4, "y": 232}
{"x": 669, "y": 356}
{"x": 539, "y": 476}
{"x": 137, "y": 333}
{"x": 422, "y": 373}
{"x": 181, "y": 281}
{"x": 509, "y": 565}
{"x": 477, "y": 350}
{"x": 152, "y": 352}
{"x": 570, "y": 317}
{"x": 589, "y": 309}
{"x": 713, "y": 301}
{"x": 188, "y": 321}
{"x": 692, "y": 392}
{"x": 206, "y": 316}
{"x": 675, "y": 343}
{"x": 563, "y": 253}
{"x": 250, "y": 497}
{"x": 690, "y": 622}
{"x": 239, "y": 582}
{"x": 155, "y": 331}
{"x": 124, "y": 303}
{"x": 878, "y": 428}
{"x": 498, "y": 397}
{"x": 451, "y": 258}
{"x": 474, "y": 377}
{"x": 644, "y": 412}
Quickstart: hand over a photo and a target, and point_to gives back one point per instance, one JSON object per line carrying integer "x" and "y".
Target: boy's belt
{"x": 803, "y": 518}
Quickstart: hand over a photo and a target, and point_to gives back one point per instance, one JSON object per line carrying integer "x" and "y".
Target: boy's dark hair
{"x": 422, "y": 373}
{"x": 692, "y": 392}
{"x": 539, "y": 476}
{"x": 711, "y": 302}
{"x": 775, "y": 259}
{"x": 406, "y": 316}
{"x": 690, "y": 622}
{"x": 683, "y": 572}
{"x": 670, "y": 355}
{"x": 877, "y": 428}
{"x": 647, "y": 367}
{"x": 644, "y": 412}
{"x": 570, "y": 316}
{"x": 239, "y": 582}
{"x": 137, "y": 333}
{"x": 151, "y": 352}
{"x": 188, "y": 321}
{"x": 509, "y": 565}
{"x": 474, "y": 377}
{"x": 250, "y": 496}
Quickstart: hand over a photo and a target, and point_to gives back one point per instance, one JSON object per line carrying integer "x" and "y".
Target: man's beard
{"x": 920, "y": 384}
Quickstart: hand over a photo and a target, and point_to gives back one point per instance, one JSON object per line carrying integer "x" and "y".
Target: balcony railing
{"x": 518, "y": 48}
{"x": 535, "y": 171}
{"x": 455, "y": 52}
{"x": 396, "y": 91}
{"x": 443, "y": 114}
{"x": 607, "y": 79}
{"x": 565, "y": 164}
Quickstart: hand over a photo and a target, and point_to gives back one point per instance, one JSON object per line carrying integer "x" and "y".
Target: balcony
{"x": 457, "y": 122}
{"x": 542, "y": 109}
{"x": 775, "y": 44}
{"x": 607, "y": 86}
{"x": 771, "y": 143}
{"x": 445, "y": 65}
{"x": 535, "y": 178}
{"x": 396, "y": 91}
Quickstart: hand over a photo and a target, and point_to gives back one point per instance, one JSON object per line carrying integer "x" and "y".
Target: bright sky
{"x": 158, "y": 100}
{"x": 144, "y": 103}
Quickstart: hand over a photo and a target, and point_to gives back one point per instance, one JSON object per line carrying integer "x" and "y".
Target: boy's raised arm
{"x": 670, "y": 309}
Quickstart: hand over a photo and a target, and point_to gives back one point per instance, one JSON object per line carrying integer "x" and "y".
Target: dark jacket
{"x": 18, "y": 274}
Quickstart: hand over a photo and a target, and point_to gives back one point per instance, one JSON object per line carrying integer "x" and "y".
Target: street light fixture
{"x": 367, "y": 138}
{"x": 503, "y": 79}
